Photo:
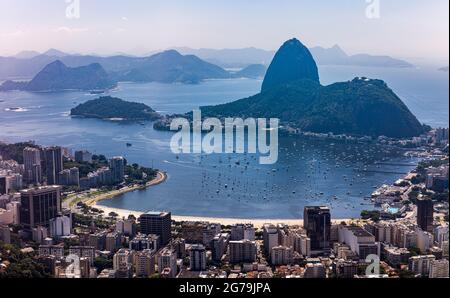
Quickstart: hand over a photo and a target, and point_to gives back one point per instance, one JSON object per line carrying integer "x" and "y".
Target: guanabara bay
{"x": 224, "y": 148}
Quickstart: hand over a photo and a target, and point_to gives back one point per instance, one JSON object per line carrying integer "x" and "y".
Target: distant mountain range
{"x": 171, "y": 67}
{"x": 166, "y": 67}
{"x": 292, "y": 92}
{"x": 27, "y": 64}
{"x": 26, "y": 54}
{"x": 336, "y": 56}
{"x": 57, "y": 77}
{"x": 230, "y": 58}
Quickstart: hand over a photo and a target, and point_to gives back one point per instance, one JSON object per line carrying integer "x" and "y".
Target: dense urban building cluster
{"x": 46, "y": 166}
{"x": 155, "y": 246}
{"x": 406, "y": 237}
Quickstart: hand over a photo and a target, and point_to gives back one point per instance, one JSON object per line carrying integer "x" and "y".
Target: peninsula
{"x": 292, "y": 92}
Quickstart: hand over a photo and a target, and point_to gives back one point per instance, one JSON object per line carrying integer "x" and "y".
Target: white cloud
{"x": 16, "y": 33}
{"x": 124, "y": 19}
{"x": 64, "y": 29}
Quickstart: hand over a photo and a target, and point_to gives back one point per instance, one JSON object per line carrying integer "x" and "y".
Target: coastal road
{"x": 91, "y": 197}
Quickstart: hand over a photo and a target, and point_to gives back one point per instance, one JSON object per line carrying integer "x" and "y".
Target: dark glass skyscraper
{"x": 425, "y": 214}
{"x": 317, "y": 223}
{"x": 39, "y": 205}
{"x": 158, "y": 223}
{"x": 3, "y": 185}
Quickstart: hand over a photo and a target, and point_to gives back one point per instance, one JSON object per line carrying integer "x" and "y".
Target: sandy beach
{"x": 258, "y": 223}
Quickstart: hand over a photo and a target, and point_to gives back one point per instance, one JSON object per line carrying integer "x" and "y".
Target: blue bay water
{"x": 308, "y": 171}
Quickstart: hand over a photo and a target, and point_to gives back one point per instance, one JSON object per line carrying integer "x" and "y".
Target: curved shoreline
{"x": 258, "y": 223}
{"x": 161, "y": 177}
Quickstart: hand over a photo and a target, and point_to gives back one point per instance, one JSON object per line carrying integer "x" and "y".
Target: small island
{"x": 115, "y": 109}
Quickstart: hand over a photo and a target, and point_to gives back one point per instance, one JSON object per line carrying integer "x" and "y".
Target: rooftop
{"x": 323, "y": 208}
{"x": 358, "y": 231}
{"x": 157, "y": 213}
{"x": 40, "y": 189}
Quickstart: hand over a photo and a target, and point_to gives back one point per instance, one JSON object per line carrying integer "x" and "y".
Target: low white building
{"x": 6, "y": 217}
{"x": 359, "y": 240}
{"x": 60, "y": 226}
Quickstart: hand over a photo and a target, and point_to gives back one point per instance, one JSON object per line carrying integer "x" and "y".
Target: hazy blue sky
{"x": 406, "y": 28}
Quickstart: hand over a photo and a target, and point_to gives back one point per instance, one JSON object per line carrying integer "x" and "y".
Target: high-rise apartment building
{"x": 144, "y": 263}
{"x": 83, "y": 156}
{"x": 243, "y": 251}
{"x": 53, "y": 164}
{"x": 439, "y": 269}
{"x": 281, "y": 255}
{"x": 167, "y": 262}
{"x": 219, "y": 246}
{"x": 242, "y": 231}
{"x": 32, "y": 165}
{"x": 197, "y": 255}
{"x": 270, "y": 237}
{"x": 117, "y": 165}
{"x": 122, "y": 263}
